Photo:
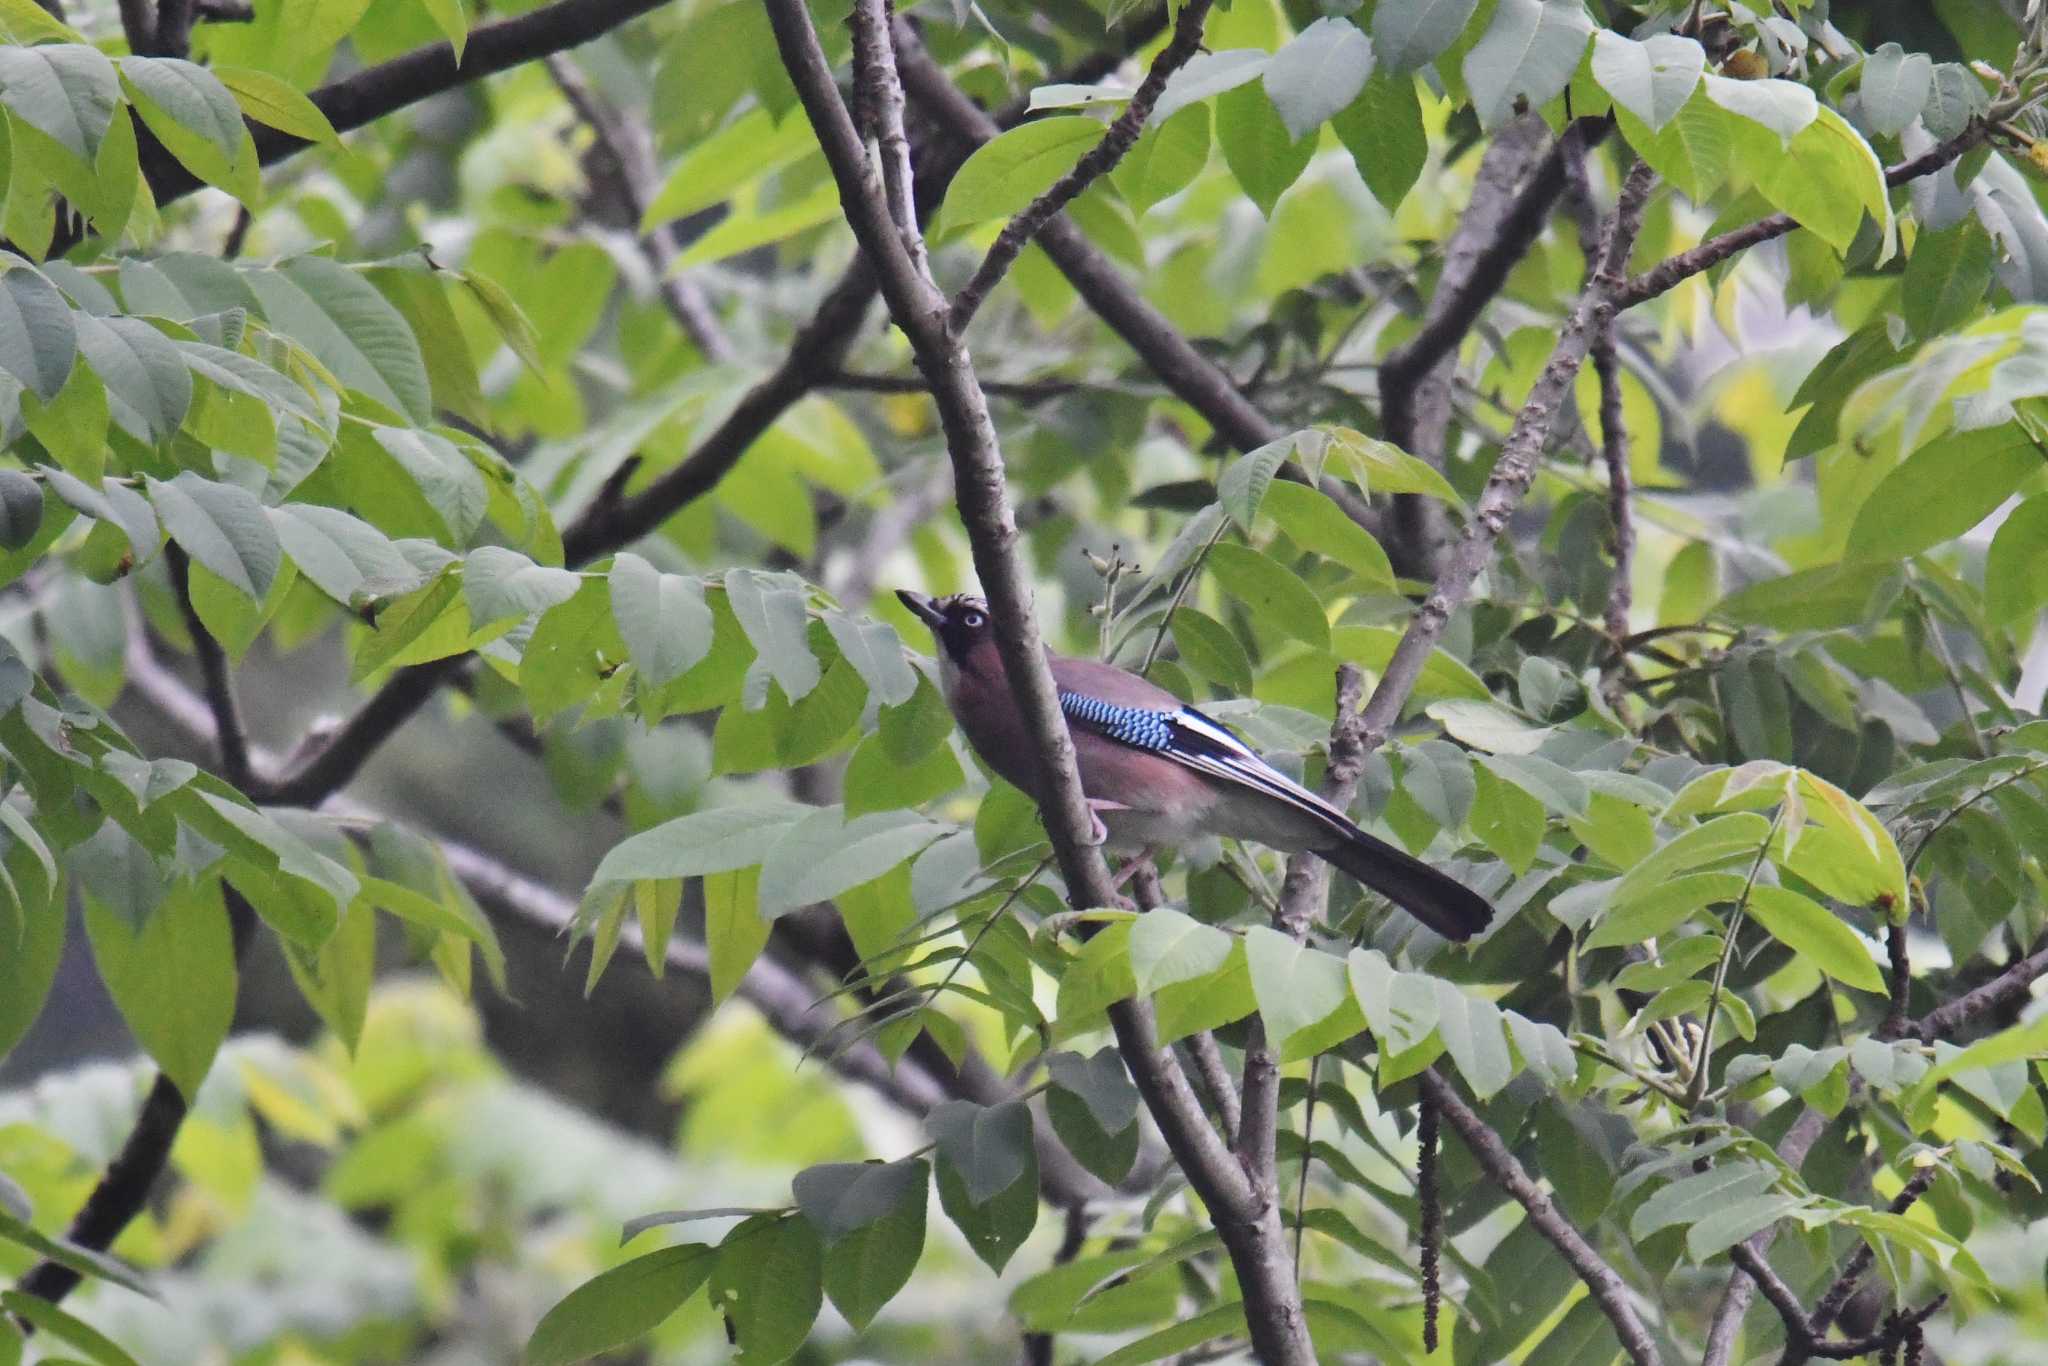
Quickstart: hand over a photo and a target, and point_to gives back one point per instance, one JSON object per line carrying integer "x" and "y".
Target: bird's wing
{"x": 1200, "y": 742}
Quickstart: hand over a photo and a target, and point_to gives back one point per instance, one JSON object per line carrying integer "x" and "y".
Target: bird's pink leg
{"x": 1132, "y": 867}
{"x": 1098, "y": 833}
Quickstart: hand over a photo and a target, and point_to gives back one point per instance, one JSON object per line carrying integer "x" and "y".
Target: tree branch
{"x": 230, "y": 738}
{"x": 1726, "y": 1324}
{"x": 629, "y": 147}
{"x": 1944, "y": 1021}
{"x": 1515, "y": 468}
{"x": 1607, "y": 1288}
{"x": 370, "y": 94}
{"x": 1495, "y": 232}
{"x": 1675, "y": 270}
{"x": 172, "y": 36}
{"x": 1097, "y": 162}
{"x": 1254, "y": 1237}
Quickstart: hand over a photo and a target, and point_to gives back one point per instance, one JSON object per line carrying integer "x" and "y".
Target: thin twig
{"x": 1836, "y": 1295}
{"x": 1725, "y": 1327}
{"x": 629, "y": 147}
{"x": 1945, "y": 1020}
{"x": 1216, "y": 1082}
{"x": 1094, "y": 164}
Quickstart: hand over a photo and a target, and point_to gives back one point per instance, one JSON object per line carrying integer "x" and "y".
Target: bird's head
{"x": 959, "y": 623}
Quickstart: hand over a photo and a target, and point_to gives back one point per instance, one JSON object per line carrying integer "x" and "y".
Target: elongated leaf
{"x": 1404, "y": 36}
{"x": 342, "y": 319}
{"x": 1205, "y": 75}
{"x": 1010, "y": 170}
{"x": 68, "y": 90}
{"x": 38, "y": 339}
{"x": 714, "y": 841}
{"x": 1942, "y": 490}
{"x": 1813, "y": 932}
{"x": 874, "y": 648}
{"x": 173, "y": 979}
{"x": 619, "y": 1306}
{"x": 1318, "y": 72}
{"x": 662, "y": 617}
{"x": 824, "y": 854}
{"x": 222, "y": 527}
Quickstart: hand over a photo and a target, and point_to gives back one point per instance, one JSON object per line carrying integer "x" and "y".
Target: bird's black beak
{"x": 922, "y": 607}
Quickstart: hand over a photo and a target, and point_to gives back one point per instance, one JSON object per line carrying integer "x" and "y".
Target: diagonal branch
{"x": 1254, "y": 1237}
{"x": 629, "y": 147}
{"x": 1096, "y": 163}
{"x": 368, "y": 95}
{"x": 1607, "y": 1287}
{"x": 1516, "y": 467}
{"x": 1675, "y": 270}
{"x": 1943, "y": 1021}
{"x": 1725, "y": 1326}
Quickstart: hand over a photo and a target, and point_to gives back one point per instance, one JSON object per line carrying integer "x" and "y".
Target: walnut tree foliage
{"x": 370, "y": 363}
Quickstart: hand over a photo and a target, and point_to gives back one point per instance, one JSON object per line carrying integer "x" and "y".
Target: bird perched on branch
{"x": 1157, "y": 772}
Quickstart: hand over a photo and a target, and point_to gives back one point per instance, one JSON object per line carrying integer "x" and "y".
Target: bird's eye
{"x": 973, "y": 621}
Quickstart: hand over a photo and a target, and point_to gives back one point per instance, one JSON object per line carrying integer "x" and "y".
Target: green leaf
{"x": 1693, "y": 151}
{"x": 38, "y": 337}
{"x": 1208, "y": 648}
{"x": 995, "y": 1228}
{"x": 352, "y": 328}
{"x": 27, "y": 967}
{"x": 194, "y": 117}
{"x": 2016, "y": 566}
{"x": 449, "y": 481}
{"x": 1226, "y": 1320}
{"x": 1382, "y": 129}
{"x": 1827, "y": 179}
{"x": 1946, "y": 278}
{"x": 1528, "y": 53}
{"x": 619, "y": 1306}
{"x": 1109, "y": 1155}
{"x": 1013, "y": 168}
{"x": 173, "y": 979}
{"x": 1318, "y": 72}
{"x": 1942, "y": 490}
{"x": 1473, "y": 1034}
{"x": 1168, "y": 946}
{"x": 823, "y": 854}
{"x": 1721, "y": 840}
{"x": 345, "y": 557}
{"x": 1166, "y": 157}
{"x": 1813, "y": 932}
{"x": 1652, "y": 79}
{"x": 874, "y": 648}
{"x": 714, "y": 841}
{"x": 69, "y": 91}
{"x": 1895, "y": 85}
{"x": 735, "y": 931}
{"x": 1647, "y": 917}
{"x": 222, "y": 527}
{"x": 50, "y": 1319}
{"x": 1101, "y": 1082}
{"x": 194, "y": 99}
{"x": 1686, "y": 1201}
{"x": 1265, "y": 157}
{"x": 275, "y": 104}
{"x": 498, "y": 583}
{"x": 449, "y": 913}
{"x": 1382, "y": 467}
{"x": 1207, "y": 74}
{"x": 769, "y": 1281}
{"x": 1297, "y": 986}
{"x": 1274, "y": 593}
{"x": 772, "y": 610}
{"x": 666, "y": 626}
{"x": 1243, "y": 485}
{"x": 987, "y": 1146}
{"x": 744, "y": 150}
{"x": 866, "y": 1266}
{"x": 1313, "y": 521}
{"x": 450, "y": 18}
{"x": 21, "y": 509}
{"x": 84, "y": 1260}
{"x": 1404, "y": 36}
{"x": 1783, "y": 107}
{"x": 840, "y": 1198}
{"x": 148, "y": 385}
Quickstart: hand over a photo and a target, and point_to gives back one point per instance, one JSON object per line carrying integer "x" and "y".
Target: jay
{"x": 1157, "y": 772}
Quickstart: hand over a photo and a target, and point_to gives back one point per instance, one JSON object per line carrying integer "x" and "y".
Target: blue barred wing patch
{"x": 1137, "y": 727}
{"x": 1201, "y": 743}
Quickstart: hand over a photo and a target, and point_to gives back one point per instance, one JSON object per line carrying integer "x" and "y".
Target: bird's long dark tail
{"x": 1438, "y": 900}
